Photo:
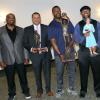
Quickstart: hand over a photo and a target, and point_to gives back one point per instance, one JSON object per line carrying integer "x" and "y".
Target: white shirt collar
{"x": 35, "y": 26}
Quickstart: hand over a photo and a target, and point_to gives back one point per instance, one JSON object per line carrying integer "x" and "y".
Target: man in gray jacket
{"x": 12, "y": 56}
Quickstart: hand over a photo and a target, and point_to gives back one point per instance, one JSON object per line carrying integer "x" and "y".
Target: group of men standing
{"x": 38, "y": 39}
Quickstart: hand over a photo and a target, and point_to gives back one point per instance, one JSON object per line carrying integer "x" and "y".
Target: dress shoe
{"x": 39, "y": 94}
{"x": 50, "y": 93}
{"x": 82, "y": 94}
{"x": 98, "y": 94}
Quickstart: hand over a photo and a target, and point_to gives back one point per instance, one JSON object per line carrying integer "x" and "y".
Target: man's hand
{"x": 2, "y": 65}
{"x": 26, "y": 61}
{"x": 71, "y": 44}
{"x": 62, "y": 58}
{"x": 64, "y": 16}
{"x": 34, "y": 50}
{"x": 87, "y": 33}
{"x": 45, "y": 49}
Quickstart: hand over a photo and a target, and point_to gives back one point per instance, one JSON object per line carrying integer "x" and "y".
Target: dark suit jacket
{"x": 29, "y": 38}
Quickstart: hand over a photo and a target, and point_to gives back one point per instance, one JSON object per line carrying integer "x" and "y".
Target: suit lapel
{"x": 7, "y": 36}
{"x": 17, "y": 34}
{"x": 32, "y": 28}
{"x": 42, "y": 35}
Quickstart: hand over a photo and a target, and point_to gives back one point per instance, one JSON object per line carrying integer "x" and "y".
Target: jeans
{"x": 71, "y": 70}
{"x": 59, "y": 72}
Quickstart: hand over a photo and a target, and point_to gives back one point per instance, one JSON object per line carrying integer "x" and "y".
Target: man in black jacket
{"x": 36, "y": 42}
{"x": 85, "y": 60}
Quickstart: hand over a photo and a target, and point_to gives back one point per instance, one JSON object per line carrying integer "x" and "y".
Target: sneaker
{"x": 39, "y": 94}
{"x": 73, "y": 92}
{"x": 11, "y": 97}
{"x": 27, "y": 96}
{"x": 59, "y": 93}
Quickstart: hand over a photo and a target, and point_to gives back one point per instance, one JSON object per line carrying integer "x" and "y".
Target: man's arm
{"x": 26, "y": 40}
{"x": 98, "y": 27}
{"x": 51, "y": 36}
{"x": 2, "y": 64}
{"x": 26, "y": 57}
{"x": 55, "y": 47}
{"x": 80, "y": 39}
{"x": 0, "y": 52}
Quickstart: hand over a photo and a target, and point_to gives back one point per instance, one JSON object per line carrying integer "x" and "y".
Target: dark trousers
{"x": 85, "y": 61}
{"x": 10, "y": 74}
{"x": 39, "y": 62}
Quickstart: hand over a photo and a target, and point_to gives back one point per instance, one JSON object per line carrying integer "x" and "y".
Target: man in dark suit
{"x": 36, "y": 42}
{"x": 12, "y": 56}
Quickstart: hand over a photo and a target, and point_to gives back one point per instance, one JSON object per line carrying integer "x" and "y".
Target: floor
{"x": 31, "y": 81}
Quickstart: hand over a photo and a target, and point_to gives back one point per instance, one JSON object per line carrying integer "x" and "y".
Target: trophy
{"x": 65, "y": 18}
{"x": 65, "y": 21}
{"x": 67, "y": 37}
{"x": 38, "y": 43}
{"x": 37, "y": 39}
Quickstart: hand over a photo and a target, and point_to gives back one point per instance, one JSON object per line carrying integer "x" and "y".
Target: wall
{"x": 24, "y": 8}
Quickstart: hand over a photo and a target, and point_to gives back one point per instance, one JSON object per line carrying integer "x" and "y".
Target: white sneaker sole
{"x": 28, "y": 97}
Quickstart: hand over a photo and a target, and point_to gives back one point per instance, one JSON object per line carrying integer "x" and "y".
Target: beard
{"x": 58, "y": 16}
{"x": 86, "y": 16}
{"x": 11, "y": 23}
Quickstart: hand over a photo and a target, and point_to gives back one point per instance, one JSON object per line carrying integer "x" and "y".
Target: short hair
{"x": 35, "y": 13}
{"x": 9, "y": 15}
{"x": 85, "y": 8}
{"x": 55, "y": 7}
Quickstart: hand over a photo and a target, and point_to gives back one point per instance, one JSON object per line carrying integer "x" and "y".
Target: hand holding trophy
{"x": 67, "y": 37}
{"x": 38, "y": 44}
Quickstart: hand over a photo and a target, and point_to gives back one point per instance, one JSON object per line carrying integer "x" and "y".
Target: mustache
{"x": 85, "y": 13}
